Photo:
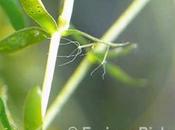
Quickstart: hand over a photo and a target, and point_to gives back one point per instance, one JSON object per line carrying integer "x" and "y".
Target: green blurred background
{"x": 99, "y": 103}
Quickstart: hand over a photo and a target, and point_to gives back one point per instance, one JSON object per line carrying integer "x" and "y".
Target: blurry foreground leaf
{"x": 36, "y": 10}
{"x": 116, "y": 72}
{"x": 32, "y": 110}
{"x": 13, "y": 12}
{"x": 22, "y": 38}
{"x": 3, "y": 90}
{"x": 3, "y": 116}
{"x": 3, "y": 97}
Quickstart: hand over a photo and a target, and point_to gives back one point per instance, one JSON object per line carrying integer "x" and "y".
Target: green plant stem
{"x": 72, "y": 84}
{"x": 94, "y": 39}
{"x": 63, "y": 25}
{"x": 66, "y": 92}
{"x": 50, "y": 67}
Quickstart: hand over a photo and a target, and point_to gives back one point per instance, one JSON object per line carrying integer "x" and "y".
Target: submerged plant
{"x": 36, "y": 115}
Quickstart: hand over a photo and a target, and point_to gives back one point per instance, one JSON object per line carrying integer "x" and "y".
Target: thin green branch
{"x": 72, "y": 84}
{"x": 94, "y": 39}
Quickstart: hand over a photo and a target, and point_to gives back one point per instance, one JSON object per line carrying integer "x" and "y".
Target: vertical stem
{"x": 67, "y": 9}
{"x": 72, "y": 84}
{"x": 50, "y": 67}
{"x": 63, "y": 25}
{"x": 64, "y": 95}
{"x": 65, "y": 14}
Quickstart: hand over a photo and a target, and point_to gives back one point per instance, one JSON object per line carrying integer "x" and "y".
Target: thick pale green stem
{"x": 84, "y": 67}
{"x": 50, "y": 67}
{"x": 64, "y": 95}
{"x": 67, "y": 9}
{"x": 64, "y": 17}
{"x": 65, "y": 14}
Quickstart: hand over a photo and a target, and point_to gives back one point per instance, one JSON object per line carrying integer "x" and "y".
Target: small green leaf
{"x": 22, "y": 38}
{"x": 14, "y": 13}
{"x": 116, "y": 72}
{"x": 32, "y": 110}
{"x": 3, "y": 116}
{"x": 36, "y": 10}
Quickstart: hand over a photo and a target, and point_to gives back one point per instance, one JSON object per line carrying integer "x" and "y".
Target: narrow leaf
{"x": 116, "y": 72}
{"x": 36, "y": 10}
{"x": 14, "y": 13}
{"x": 32, "y": 110}
{"x": 3, "y": 116}
{"x": 22, "y": 38}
